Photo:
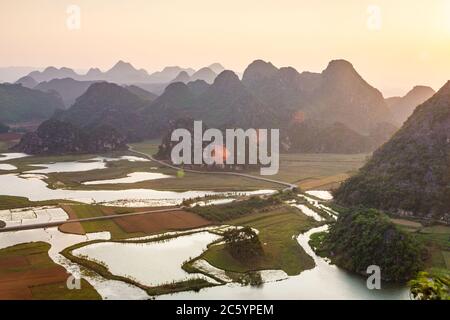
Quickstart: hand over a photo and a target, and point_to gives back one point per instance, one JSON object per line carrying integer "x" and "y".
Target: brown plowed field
{"x": 17, "y": 285}
{"x": 161, "y": 221}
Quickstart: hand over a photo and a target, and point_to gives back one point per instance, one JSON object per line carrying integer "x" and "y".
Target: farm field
{"x": 27, "y": 272}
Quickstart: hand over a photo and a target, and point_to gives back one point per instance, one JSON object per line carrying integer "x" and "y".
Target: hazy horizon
{"x": 394, "y": 46}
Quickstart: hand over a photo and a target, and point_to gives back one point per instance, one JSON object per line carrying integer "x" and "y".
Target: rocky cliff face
{"x": 410, "y": 174}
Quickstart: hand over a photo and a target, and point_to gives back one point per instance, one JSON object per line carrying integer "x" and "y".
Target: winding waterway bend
{"x": 324, "y": 281}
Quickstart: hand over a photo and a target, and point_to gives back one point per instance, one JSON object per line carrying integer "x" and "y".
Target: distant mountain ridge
{"x": 402, "y": 107}
{"x": 123, "y": 73}
{"x": 206, "y": 74}
{"x": 337, "y": 107}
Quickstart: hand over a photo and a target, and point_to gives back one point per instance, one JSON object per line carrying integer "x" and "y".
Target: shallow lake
{"x": 10, "y": 156}
{"x": 151, "y": 263}
{"x": 35, "y": 189}
{"x": 7, "y": 167}
{"x": 321, "y": 194}
{"x": 307, "y": 211}
{"x": 85, "y": 165}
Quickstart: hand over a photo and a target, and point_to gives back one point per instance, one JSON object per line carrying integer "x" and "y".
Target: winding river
{"x": 324, "y": 281}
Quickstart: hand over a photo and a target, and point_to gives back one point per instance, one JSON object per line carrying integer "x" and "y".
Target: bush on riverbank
{"x": 243, "y": 244}
{"x": 428, "y": 286}
{"x": 363, "y": 237}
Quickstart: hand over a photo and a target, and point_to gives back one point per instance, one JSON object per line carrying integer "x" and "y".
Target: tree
{"x": 243, "y": 244}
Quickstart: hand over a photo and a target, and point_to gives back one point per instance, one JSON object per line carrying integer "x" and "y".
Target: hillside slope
{"x": 410, "y": 174}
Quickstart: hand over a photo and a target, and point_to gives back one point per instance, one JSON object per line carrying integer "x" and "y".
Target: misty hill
{"x": 217, "y": 68}
{"x": 269, "y": 97}
{"x": 311, "y": 137}
{"x": 198, "y": 87}
{"x": 337, "y": 107}
{"x": 59, "y": 137}
{"x": 68, "y": 89}
{"x": 338, "y": 94}
{"x": 409, "y": 175}
{"x": 183, "y": 76}
{"x": 344, "y": 96}
{"x": 402, "y": 107}
{"x": 51, "y": 73}
{"x": 111, "y": 105}
{"x": 205, "y": 74}
{"x": 122, "y": 72}
{"x": 317, "y": 137}
{"x": 11, "y": 74}
{"x": 20, "y": 104}
{"x": 141, "y": 93}
{"x": 168, "y": 74}
{"x": 27, "y": 82}
{"x": 225, "y": 104}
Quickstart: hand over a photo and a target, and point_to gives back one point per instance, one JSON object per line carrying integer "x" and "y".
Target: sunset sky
{"x": 409, "y": 45}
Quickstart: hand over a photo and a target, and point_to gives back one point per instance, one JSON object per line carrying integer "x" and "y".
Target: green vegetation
{"x": 363, "y": 237}
{"x": 36, "y": 261}
{"x": 436, "y": 239}
{"x": 316, "y": 242}
{"x": 243, "y": 244}
{"x": 11, "y": 202}
{"x": 430, "y": 287}
{"x": 187, "y": 285}
{"x": 148, "y": 146}
{"x": 278, "y": 228}
{"x": 224, "y": 212}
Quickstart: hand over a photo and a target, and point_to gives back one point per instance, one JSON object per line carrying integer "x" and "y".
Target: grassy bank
{"x": 11, "y": 202}
{"x": 435, "y": 237}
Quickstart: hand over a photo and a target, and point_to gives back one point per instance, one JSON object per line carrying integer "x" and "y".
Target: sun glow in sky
{"x": 401, "y": 44}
